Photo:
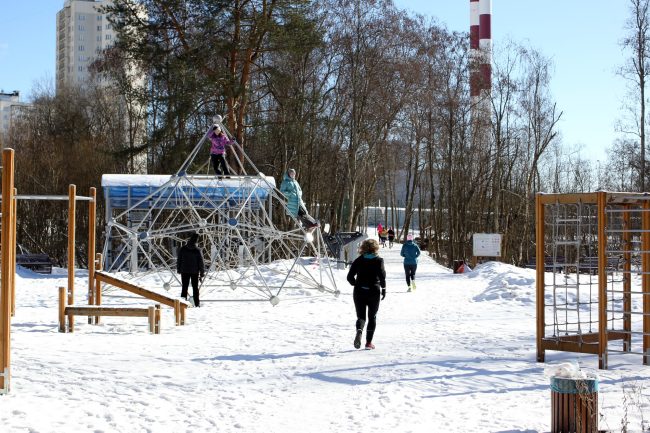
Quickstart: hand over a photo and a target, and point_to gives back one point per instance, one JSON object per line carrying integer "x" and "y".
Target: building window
{"x": 81, "y": 68}
{"x": 81, "y": 36}
{"x": 108, "y": 37}
{"x": 82, "y": 27}
{"x": 99, "y": 38}
{"x": 108, "y": 27}
{"x": 99, "y": 28}
{"x": 99, "y": 17}
{"x": 81, "y": 48}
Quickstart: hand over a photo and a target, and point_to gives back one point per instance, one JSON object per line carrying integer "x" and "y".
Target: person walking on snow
{"x": 410, "y": 252}
{"x": 391, "y": 237}
{"x": 368, "y": 276}
{"x": 219, "y": 142}
{"x": 295, "y": 206}
{"x": 190, "y": 266}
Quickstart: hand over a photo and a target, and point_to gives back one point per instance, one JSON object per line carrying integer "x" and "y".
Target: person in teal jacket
{"x": 295, "y": 206}
{"x": 410, "y": 252}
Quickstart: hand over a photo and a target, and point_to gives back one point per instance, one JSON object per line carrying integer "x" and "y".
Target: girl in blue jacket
{"x": 295, "y": 206}
{"x": 410, "y": 252}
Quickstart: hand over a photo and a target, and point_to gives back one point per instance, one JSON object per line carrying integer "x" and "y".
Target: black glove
{"x": 383, "y": 294}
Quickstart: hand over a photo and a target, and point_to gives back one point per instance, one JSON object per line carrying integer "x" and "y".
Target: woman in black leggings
{"x": 368, "y": 276}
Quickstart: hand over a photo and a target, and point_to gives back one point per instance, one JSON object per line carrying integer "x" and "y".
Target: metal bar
{"x": 53, "y": 197}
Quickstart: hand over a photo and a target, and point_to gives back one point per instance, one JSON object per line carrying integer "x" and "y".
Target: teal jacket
{"x": 410, "y": 252}
{"x": 291, "y": 190}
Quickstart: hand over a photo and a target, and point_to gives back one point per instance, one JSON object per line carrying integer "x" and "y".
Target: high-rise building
{"x": 82, "y": 32}
{"x": 10, "y": 107}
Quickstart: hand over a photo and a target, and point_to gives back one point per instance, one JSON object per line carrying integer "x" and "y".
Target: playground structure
{"x": 597, "y": 249}
{"x": 148, "y": 217}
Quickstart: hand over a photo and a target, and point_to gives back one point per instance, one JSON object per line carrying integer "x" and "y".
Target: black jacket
{"x": 368, "y": 272}
{"x": 190, "y": 260}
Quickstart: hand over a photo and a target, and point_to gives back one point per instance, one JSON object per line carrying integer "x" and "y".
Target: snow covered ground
{"x": 457, "y": 355}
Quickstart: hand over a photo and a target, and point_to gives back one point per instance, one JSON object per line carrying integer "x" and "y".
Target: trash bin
{"x": 574, "y": 405}
{"x": 459, "y": 266}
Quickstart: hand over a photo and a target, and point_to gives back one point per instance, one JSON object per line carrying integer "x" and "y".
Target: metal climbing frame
{"x": 593, "y": 274}
{"x": 149, "y": 217}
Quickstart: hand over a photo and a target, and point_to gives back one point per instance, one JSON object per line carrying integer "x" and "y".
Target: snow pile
{"x": 565, "y": 370}
{"x": 505, "y": 282}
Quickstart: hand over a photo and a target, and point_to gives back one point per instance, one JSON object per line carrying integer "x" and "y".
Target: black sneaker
{"x": 357, "y": 339}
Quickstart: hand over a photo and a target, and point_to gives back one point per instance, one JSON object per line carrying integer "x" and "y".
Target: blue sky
{"x": 580, "y": 36}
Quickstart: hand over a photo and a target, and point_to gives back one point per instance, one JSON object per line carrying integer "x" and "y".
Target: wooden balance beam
{"x": 68, "y": 311}
{"x": 179, "y": 305}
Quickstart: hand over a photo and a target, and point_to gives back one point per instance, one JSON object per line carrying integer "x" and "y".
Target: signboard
{"x": 487, "y": 244}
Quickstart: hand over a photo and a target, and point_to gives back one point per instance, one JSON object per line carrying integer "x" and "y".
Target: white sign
{"x": 487, "y": 244}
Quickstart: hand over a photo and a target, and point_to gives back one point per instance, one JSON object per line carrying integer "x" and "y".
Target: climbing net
{"x": 593, "y": 284}
{"x": 245, "y": 247}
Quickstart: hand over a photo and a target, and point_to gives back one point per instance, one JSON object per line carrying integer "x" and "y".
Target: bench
{"x": 39, "y": 263}
{"x": 589, "y": 265}
{"x": 69, "y": 311}
{"x": 549, "y": 265}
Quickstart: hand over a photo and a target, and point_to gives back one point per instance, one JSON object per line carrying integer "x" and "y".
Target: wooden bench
{"x": 39, "y": 263}
{"x": 69, "y": 311}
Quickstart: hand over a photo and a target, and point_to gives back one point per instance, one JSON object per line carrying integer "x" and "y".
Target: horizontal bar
{"x": 52, "y": 197}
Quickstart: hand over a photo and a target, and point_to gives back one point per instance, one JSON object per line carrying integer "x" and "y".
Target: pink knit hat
{"x": 409, "y": 237}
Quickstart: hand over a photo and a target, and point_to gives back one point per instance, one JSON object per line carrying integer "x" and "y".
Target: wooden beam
{"x": 602, "y": 281}
{"x": 585, "y": 198}
{"x": 125, "y": 285}
{"x": 6, "y": 270}
{"x": 645, "y": 280}
{"x": 107, "y": 311}
{"x": 62, "y": 305}
{"x": 539, "y": 280}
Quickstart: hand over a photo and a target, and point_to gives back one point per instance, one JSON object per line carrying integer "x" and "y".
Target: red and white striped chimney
{"x": 474, "y": 55}
{"x": 485, "y": 44}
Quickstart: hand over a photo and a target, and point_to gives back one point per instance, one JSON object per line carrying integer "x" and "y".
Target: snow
{"x": 456, "y": 355}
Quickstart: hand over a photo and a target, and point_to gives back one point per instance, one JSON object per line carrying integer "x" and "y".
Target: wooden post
{"x": 627, "y": 279}
{"x": 539, "y": 253}
{"x": 157, "y": 324}
{"x": 12, "y": 275}
{"x": 70, "y": 316}
{"x": 645, "y": 280}
{"x": 177, "y": 312}
{"x": 602, "y": 280}
{"x": 92, "y": 209}
{"x": 183, "y": 308}
{"x": 6, "y": 269}
{"x": 62, "y": 305}
{"x": 98, "y": 285}
{"x": 152, "y": 318}
{"x": 72, "y": 205}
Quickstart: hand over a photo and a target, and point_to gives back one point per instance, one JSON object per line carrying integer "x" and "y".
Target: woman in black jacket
{"x": 190, "y": 266}
{"x": 368, "y": 276}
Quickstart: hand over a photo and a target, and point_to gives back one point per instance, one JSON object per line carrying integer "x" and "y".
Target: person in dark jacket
{"x": 391, "y": 237}
{"x": 190, "y": 266}
{"x": 410, "y": 252}
{"x": 368, "y": 276}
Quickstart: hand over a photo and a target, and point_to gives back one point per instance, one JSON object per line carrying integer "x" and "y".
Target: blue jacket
{"x": 410, "y": 252}
{"x": 291, "y": 190}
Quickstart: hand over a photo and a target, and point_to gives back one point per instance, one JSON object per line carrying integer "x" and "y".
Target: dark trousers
{"x": 185, "y": 282}
{"x": 366, "y": 300}
{"x": 410, "y": 273}
{"x": 219, "y": 164}
{"x": 305, "y": 219}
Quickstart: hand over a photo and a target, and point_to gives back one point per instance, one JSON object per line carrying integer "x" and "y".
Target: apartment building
{"x": 82, "y": 32}
{"x": 10, "y": 107}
